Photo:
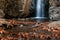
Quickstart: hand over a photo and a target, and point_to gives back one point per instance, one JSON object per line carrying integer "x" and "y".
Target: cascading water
{"x": 40, "y": 9}
{"x": 41, "y": 14}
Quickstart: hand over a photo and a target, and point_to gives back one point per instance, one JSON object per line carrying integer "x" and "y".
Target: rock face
{"x": 54, "y": 9}
{"x": 54, "y": 13}
{"x": 15, "y": 8}
{"x": 11, "y": 8}
{"x": 2, "y": 8}
{"x": 54, "y": 2}
{"x": 1, "y": 13}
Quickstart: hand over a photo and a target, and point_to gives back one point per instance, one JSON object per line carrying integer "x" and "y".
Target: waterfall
{"x": 40, "y": 9}
{"x": 41, "y": 14}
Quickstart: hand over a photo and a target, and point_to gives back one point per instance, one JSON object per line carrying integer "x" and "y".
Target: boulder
{"x": 55, "y": 24}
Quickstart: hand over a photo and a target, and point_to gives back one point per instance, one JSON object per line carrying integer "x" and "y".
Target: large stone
{"x": 54, "y": 13}
{"x": 55, "y": 24}
{"x": 54, "y": 9}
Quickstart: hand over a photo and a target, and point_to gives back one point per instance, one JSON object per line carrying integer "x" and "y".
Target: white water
{"x": 40, "y": 9}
